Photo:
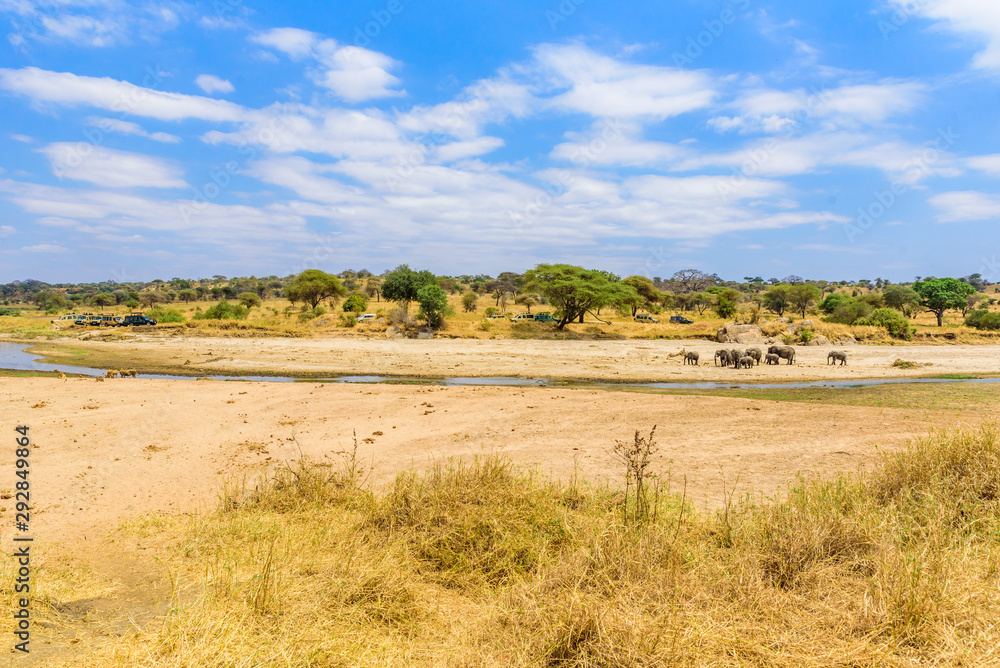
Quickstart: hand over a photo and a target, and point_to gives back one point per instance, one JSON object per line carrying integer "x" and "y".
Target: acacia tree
{"x": 469, "y": 301}
{"x": 186, "y": 295}
{"x": 249, "y": 299}
{"x": 402, "y": 284}
{"x": 102, "y": 299}
{"x": 646, "y": 291}
{"x": 937, "y": 295}
{"x": 777, "y": 299}
{"x": 313, "y": 286}
{"x": 901, "y": 298}
{"x": 575, "y": 290}
{"x": 803, "y": 295}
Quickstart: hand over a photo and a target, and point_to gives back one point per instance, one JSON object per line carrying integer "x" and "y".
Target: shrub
{"x": 162, "y": 315}
{"x": 849, "y": 311}
{"x": 348, "y": 320}
{"x": 355, "y": 304}
{"x": 309, "y": 314}
{"x": 491, "y": 310}
{"x": 249, "y": 299}
{"x": 224, "y": 311}
{"x": 893, "y": 321}
{"x": 832, "y": 302}
{"x": 725, "y": 308}
{"x": 806, "y": 335}
{"x": 469, "y": 301}
{"x": 983, "y": 319}
{"x": 132, "y": 303}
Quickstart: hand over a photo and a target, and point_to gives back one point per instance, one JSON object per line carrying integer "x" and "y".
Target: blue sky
{"x": 856, "y": 139}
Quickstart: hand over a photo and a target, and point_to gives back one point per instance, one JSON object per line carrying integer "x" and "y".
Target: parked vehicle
{"x": 680, "y": 320}
{"x": 645, "y": 317}
{"x": 133, "y": 319}
{"x": 496, "y": 316}
{"x": 366, "y": 317}
{"x": 522, "y": 317}
{"x": 544, "y": 317}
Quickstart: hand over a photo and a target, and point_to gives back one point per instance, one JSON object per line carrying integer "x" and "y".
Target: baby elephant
{"x": 746, "y": 362}
{"x": 691, "y": 358}
{"x": 771, "y": 358}
{"x": 836, "y": 355}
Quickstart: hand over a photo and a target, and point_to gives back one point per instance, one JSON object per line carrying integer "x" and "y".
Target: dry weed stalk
{"x": 636, "y": 457}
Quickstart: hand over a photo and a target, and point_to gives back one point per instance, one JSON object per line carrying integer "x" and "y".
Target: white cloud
{"x": 963, "y": 206}
{"x": 605, "y": 87}
{"x": 127, "y": 128}
{"x": 110, "y": 168}
{"x": 353, "y": 73}
{"x": 976, "y": 17}
{"x": 45, "y": 248}
{"x": 213, "y": 84}
{"x": 985, "y": 163}
{"x": 118, "y": 96}
{"x": 90, "y": 23}
{"x": 616, "y": 144}
{"x": 24, "y": 139}
{"x": 466, "y": 149}
{"x": 6, "y": 231}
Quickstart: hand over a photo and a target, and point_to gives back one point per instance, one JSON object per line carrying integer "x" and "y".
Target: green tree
{"x": 373, "y": 287}
{"x": 725, "y": 308}
{"x": 249, "y": 299}
{"x": 901, "y": 298}
{"x": 433, "y": 302}
{"x": 132, "y": 303}
{"x": 646, "y": 290}
{"x": 469, "y": 300}
{"x": 148, "y": 299}
{"x": 575, "y": 290}
{"x": 803, "y": 295}
{"x": 223, "y": 311}
{"x": 778, "y": 299}
{"x": 102, "y": 299}
{"x": 313, "y": 286}
{"x": 402, "y": 284}
{"x": 937, "y": 295}
{"x": 355, "y": 304}
{"x": 526, "y": 300}
{"x": 187, "y": 295}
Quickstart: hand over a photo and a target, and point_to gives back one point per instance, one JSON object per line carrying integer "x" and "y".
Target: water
{"x": 13, "y": 356}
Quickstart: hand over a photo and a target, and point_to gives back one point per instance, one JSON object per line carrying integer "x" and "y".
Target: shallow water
{"x": 14, "y": 357}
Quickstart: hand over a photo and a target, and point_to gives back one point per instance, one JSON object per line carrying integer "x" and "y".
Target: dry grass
{"x": 483, "y": 564}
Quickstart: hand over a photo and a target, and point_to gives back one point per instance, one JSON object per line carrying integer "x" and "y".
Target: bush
{"x": 309, "y": 314}
{"x": 893, "y": 321}
{"x": 355, "y": 304}
{"x": 806, "y": 335}
{"x": 832, "y": 302}
{"x": 849, "y": 311}
{"x": 469, "y": 301}
{"x": 132, "y": 303}
{"x": 249, "y": 299}
{"x": 162, "y": 315}
{"x": 224, "y": 311}
{"x": 348, "y": 320}
{"x": 983, "y": 319}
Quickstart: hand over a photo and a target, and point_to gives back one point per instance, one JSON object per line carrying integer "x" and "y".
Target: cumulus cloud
{"x": 351, "y": 72}
{"x": 128, "y": 128}
{"x": 110, "y": 168}
{"x": 968, "y": 17}
{"x": 965, "y": 206}
{"x": 66, "y": 88}
{"x": 213, "y": 84}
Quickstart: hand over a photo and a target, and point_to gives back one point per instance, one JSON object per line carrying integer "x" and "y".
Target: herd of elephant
{"x": 744, "y": 359}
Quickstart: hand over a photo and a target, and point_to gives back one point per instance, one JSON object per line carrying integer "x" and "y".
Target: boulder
{"x": 784, "y": 320}
{"x": 818, "y": 341}
{"x": 803, "y": 324}
{"x": 847, "y": 341}
{"x": 425, "y": 333}
{"x": 394, "y": 333}
{"x": 742, "y": 334}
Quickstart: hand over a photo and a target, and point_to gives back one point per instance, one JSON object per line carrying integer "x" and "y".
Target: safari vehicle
{"x": 522, "y": 317}
{"x": 544, "y": 317}
{"x": 645, "y": 317}
{"x": 133, "y": 319}
{"x": 680, "y": 320}
{"x": 366, "y": 317}
{"x": 496, "y": 316}
{"x": 88, "y": 321}
{"x": 71, "y": 317}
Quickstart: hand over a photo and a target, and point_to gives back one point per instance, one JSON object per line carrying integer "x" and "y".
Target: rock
{"x": 802, "y": 324}
{"x": 848, "y": 341}
{"x": 742, "y": 334}
{"x": 425, "y": 333}
{"x": 394, "y": 333}
{"x": 782, "y": 320}
{"x": 818, "y": 341}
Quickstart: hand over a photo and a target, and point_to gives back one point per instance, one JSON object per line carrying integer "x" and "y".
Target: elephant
{"x": 691, "y": 358}
{"x": 746, "y": 362}
{"x": 722, "y": 355}
{"x": 771, "y": 358}
{"x": 784, "y": 352}
{"x": 754, "y": 353}
{"x": 734, "y": 357}
{"x": 836, "y": 355}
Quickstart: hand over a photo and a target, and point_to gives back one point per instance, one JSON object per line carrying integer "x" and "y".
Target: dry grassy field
{"x": 216, "y": 523}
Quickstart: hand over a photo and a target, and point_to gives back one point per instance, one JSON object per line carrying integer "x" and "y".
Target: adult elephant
{"x": 755, "y": 353}
{"x": 722, "y": 356}
{"x": 734, "y": 357}
{"x": 836, "y": 355}
{"x": 784, "y": 352}
{"x": 691, "y": 357}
